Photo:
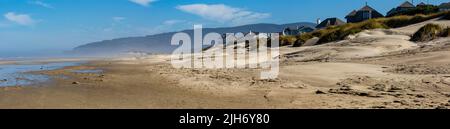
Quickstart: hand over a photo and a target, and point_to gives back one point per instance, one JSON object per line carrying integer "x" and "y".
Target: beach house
{"x": 330, "y": 22}
{"x": 402, "y": 8}
{"x": 422, "y": 4}
{"x": 444, "y": 7}
{"x": 297, "y": 30}
{"x": 363, "y": 14}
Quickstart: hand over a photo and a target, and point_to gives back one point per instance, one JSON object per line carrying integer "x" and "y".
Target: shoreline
{"x": 93, "y": 90}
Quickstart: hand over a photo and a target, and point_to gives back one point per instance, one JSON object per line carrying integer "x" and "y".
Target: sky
{"x": 55, "y": 25}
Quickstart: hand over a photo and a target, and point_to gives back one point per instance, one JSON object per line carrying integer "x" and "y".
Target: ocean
{"x": 17, "y": 73}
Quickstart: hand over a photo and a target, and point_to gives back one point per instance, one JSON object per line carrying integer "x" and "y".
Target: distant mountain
{"x": 160, "y": 43}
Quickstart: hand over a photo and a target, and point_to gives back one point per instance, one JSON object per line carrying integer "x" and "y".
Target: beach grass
{"x": 427, "y": 33}
{"x": 445, "y": 32}
{"x": 337, "y": 33}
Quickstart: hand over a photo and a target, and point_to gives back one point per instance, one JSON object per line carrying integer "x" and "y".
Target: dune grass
{"x": 287, "y": 40}
{"x": 430, "y": 32}
{"x": 341, "y": 32}
{"x": 301, "y": 39}
{"x": 429, "y": 9}
{"x": 446, "y": 16}
{"x": 336, "y": 33}
{"x": 445, "y": 32}
{"x": 427, "y": 33}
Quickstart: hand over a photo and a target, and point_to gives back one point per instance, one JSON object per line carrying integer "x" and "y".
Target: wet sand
{"x": 119, "y": 86}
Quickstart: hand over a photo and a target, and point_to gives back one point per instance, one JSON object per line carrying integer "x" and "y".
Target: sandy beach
{"x": 372, "y": 69}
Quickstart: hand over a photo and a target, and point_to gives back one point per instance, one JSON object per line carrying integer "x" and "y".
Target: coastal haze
{"x": 160, "y": 43}
{"x": 361, "y": 54}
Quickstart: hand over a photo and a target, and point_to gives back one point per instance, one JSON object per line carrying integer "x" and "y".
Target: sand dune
{"x": 368, "y": 43}
{"x": 411, "y": 29}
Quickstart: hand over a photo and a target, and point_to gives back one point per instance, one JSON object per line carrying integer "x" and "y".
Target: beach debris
{"x": 296, "y": 85}
{"x": 441, "y": 107}
{"x": 402, "y": 102}
{"x": 420, "y": 96}
{"x": 75, "y": 83}
{"x": 394, "y": 88}
{"x": 320, "y": 92}
{"x": 348, "y": 90}
{"x": 378, "y": 107}
{"x": 379, "y": 87}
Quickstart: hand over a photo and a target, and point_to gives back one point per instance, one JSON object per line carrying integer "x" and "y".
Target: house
{"x": 363, "y": 14}
{"x": 330, "y": 22}
{"x": 403, "y": 7}
{"x": 421, "y": 4}
{"x": 297, "y": 30}
{"x": 444, "y": 7}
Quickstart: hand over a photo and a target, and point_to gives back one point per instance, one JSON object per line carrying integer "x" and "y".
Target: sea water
{"x": 18, "y": 74}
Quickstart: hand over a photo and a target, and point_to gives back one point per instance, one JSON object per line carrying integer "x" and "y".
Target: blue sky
{"x": 47, "y": 25}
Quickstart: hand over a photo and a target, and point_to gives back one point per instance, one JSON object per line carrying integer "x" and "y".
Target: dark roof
{"x": 292, "y": 27}
{"x": 304, "y": 27}
{"x": 353, "y": 13}
{"x": 298, "y": 27}
{"x": 407, "y": 4}
{"x": 370, "y": 9}
{"x": 445, "y": 5}
{"x": 367, "y": 8}
{"x": 330, "y": 22}
{"x": 363, "y": 9}
{"x": 421, "y": 4}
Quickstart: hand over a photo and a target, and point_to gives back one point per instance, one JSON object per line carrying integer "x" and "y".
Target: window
{"x": 366, "y": 15}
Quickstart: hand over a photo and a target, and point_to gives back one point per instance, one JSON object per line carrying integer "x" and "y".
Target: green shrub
{"x": 419, "y": 10}
{"x": 398, "y": 21}
{"x": 329, "y": 37}
{"x": 336, "y": 33}
{"x": 287, "y": 40}
{"x": 343, "y": 31}
{"x": 418, "y": 18}
{"x": 427, "y": 33}
{"x": 321, "y": 32}
{"x": 401, "y": 21}
{"x": 445, "y": 32}
{"x": 446, "y": 16}
{"x": 302, "y": 38}
{"x": 373, "y": 24}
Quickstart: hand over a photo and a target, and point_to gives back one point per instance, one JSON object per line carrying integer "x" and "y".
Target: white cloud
{"x": 223, "y": 13}
{"x": 143, "y": 2}
{"x": 42, "y": 4}
{"x": 172, "y": 22}
{"x": 118, "y": 19}
{"x": 21, "y": 19}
